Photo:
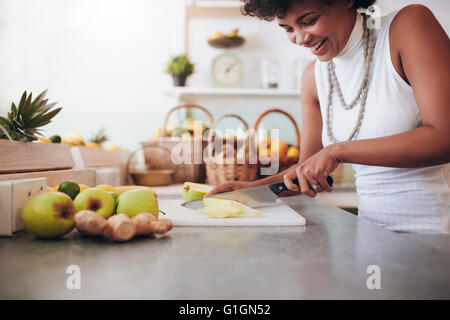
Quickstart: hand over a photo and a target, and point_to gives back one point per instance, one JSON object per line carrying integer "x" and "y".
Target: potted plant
{"x": 180, "y": 68}
{"x": 22, "y": 126}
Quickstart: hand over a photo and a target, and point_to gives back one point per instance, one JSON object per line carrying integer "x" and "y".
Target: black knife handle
{"x": 280, "y": 187}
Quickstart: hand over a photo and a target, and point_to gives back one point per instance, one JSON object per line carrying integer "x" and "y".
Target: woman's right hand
{"x": 230, "y": 186}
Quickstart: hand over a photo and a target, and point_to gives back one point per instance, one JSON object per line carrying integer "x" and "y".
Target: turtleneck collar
{"x": 355, "y": 40}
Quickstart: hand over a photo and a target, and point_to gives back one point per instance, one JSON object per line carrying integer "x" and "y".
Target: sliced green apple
{"x": 221, "y": 206}
{"x": 220, "y": 211}
{"x": 193, "y": 191}
{"x": 248, "y": 210}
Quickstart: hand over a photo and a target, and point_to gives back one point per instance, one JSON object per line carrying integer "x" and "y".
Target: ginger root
{"x": 89, "y": 223}
{"x": 120, "y": 227}
{"x": 146, "y": 223}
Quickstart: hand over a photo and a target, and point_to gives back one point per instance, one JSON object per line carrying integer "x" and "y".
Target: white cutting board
{"x": 277, "y": 215}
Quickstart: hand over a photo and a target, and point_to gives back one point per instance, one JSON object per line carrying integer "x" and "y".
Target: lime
{"x": 55, "y": 139}
{"x": 71, "y": 188}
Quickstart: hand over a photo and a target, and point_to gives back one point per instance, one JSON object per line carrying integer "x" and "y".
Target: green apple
{"x": 192, "y": 191}
{"x": 136, "y": 201}
{"x": 97, "y": 200}
{"x": 49, "y": 215}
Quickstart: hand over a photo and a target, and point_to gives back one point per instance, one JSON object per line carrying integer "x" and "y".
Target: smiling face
{"x": 323, "y": 28}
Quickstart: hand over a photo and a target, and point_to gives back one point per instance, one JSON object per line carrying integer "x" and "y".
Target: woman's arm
{"x": 310, "y": 142}
{"x": 420, "y": 51}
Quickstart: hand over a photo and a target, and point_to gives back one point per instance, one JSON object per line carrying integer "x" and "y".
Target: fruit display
{"x": 75, "y": 139}
{"x": 193, "y": 191}
{"x": 98, "y": 139}
{"x": 189, "y": 128}
{"x": 24, "y": 121}
{"x": 268, "y": 147}
{"x": 229, "y": 40}
{"x": 53, "y": 214}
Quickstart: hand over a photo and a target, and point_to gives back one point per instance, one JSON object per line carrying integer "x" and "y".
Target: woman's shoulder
{"x": 411, "y": 18}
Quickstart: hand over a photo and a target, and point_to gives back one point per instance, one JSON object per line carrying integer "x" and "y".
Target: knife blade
{"x": 255, "y": 197}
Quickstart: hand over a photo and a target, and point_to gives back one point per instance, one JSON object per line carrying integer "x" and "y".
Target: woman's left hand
{"x": 312, "y": 173}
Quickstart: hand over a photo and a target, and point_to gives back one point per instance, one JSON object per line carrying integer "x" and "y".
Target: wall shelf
{"x": 181, "y": 92}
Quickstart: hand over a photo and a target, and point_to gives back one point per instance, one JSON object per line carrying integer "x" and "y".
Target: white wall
{"x": 102, "y": 60}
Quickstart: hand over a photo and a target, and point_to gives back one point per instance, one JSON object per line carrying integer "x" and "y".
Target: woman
{"x": 375, "y": 97}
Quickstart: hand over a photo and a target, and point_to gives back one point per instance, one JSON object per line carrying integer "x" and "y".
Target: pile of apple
{"x": 214, "y": 207}
{"x": 232, "y": 34}
{"x": 119, "y": 215}
{"x": 188, "y": 129}
{"x": 270, "y": 147}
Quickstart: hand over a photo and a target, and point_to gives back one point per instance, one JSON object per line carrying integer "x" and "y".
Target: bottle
{"x": 269, "y": 73}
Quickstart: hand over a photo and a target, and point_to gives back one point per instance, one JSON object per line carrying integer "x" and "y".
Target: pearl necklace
{"x": 369, "y": 45}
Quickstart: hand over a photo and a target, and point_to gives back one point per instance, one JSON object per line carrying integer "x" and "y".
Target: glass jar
{"x": 269, "y": 73}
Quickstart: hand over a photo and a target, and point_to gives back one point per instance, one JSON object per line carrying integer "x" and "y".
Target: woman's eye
{"x": 289, "y": 29}
{"x": 310, "y": 22}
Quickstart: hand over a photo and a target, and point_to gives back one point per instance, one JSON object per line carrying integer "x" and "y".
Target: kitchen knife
{"x": 255, "y": 197}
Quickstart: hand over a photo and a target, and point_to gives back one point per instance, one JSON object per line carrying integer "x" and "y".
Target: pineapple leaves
{"x": 24, "y": 120}
{"x": 40, "y": 121}
{"x": 22, "y": 102}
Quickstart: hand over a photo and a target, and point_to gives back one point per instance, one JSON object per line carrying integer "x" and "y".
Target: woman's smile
{"x": 320, "y": 48}
{"x": 324, "y": 29}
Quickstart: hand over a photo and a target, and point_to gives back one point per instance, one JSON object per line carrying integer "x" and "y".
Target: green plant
{"x": 22, "y": 122}
{"x": 180, "y": 65}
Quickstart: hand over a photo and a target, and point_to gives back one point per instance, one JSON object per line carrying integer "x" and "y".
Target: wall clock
{"x": 227, "y": 71}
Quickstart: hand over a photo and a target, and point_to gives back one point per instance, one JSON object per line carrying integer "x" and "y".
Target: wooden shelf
{"x": 179, "y": 92}
{"x": 194, "y": 11}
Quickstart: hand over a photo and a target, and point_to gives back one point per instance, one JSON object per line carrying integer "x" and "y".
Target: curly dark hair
{"x": 269, "y": 9}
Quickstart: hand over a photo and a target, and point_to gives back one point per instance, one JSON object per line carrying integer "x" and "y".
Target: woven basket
{"x": 187, "y": 152}
{"x": 285, "y": 162}
{"x": 231, "y": 161}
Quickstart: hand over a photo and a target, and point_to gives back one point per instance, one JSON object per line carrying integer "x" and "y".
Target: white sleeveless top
{"x": 408, "y": 200}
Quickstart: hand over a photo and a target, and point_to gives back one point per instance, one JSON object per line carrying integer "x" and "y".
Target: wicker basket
{"x": 285, "y": 162}
{"x": 231, "y": 161}
{"x": 187, "y": 152}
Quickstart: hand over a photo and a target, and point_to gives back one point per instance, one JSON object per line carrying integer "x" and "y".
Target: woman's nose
{"x": 302, "y": 37}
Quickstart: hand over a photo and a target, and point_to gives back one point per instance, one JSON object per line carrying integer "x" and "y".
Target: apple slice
{"x": 221, "y": 211}
{"x": 245, "y": 209}
{"x": 193, "y": 191}
{"x": 221, "y": 208}
{"x": 248, "y": 210}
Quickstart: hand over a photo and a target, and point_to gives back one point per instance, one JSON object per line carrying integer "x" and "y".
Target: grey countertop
{"x": 327, "y": 258}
